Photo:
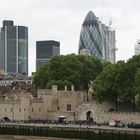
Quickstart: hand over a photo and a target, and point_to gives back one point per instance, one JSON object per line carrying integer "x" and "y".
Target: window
{"x": 19, "y": 109}
{"x": 39, "y": 109}
{"x": 68, "y": 107}
{"x": 32, "y": 109}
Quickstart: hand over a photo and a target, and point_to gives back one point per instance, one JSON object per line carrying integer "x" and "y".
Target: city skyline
{"x": 61, "y": 20}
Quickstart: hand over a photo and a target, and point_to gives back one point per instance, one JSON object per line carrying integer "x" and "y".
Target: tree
{"x": 107, "y": 85}
{"x": 75, "y": 69}
{"x": 41, "y": 77}
{"x": 130, "y": 80}
{"x": 137, "y": 87}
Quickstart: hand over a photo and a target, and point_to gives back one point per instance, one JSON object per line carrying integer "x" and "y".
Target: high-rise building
{"x": 46, "y": 50}
{"x": 14, "y": 48}
{"x": 110, "y": 44}
{"x": 137, "y": 47}
{"x": 97, "y": 38}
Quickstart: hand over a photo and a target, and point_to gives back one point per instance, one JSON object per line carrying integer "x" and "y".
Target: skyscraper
{"x": 110, "y": 44}
{"x": 14, "y": 48}
{"x": 97, "y": 38}
{"x": 137, "y": 47}
{"x": 46, "y": 50}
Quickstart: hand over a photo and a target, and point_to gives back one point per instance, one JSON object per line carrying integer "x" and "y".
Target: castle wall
{"x": 94, "y": 107}
{"x": 56, "y": 103}
{"x": 125, "y": 117}
{"x": 101, "y": 113}
{"x": 14, "y": 109}
{"x": 50, "y": 104}
{"x": 36, "y": 111}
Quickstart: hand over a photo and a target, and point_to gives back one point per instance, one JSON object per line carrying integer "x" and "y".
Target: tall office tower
{"x": 97, "y": 38}
{"x": 110, "y": 44}
{"x": 14, "y": 48}
{"x": 137, "y": 47}
{"x": 46, "y": 50}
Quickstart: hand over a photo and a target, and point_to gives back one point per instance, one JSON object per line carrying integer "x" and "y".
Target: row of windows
{"x": 6, "y": 110}
{"x": 68, "y": 107}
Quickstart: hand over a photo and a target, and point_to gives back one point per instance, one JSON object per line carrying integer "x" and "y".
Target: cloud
{"x": 61, "y": 20}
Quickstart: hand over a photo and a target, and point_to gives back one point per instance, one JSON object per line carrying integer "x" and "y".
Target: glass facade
{"x": 10, "y": 48}
{"x": 2, "y": 50}
{"x": 91, "y": 37}
{"x": 94, "y": 38}
{"x": 22, "y": 49}
{"x": 41, "y": 62}
{"x": 45, "y": 50}
{"x": 14, "y": 40}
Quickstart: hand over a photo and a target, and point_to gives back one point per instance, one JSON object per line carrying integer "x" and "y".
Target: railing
{"x": 80, "y": 133}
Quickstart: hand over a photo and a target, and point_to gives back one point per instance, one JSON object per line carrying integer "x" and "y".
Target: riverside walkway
{"x": 94, "y": 128}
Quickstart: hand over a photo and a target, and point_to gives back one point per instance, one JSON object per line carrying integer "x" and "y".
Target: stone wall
{"x": 50, "y": 104}
{"x": 56, "y": 102}
{"x": 94, "y": 107}
{"x": 125, "y": 117}
{"x": 100, "y": 113}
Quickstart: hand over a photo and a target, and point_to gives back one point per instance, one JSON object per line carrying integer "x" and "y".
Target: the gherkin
{"x": 96, "y": 39}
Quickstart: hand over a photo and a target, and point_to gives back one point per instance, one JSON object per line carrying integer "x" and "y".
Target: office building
{"x": 46, "y": 50}
{"x": 98, "y": 38}
{"x": 137, "y": 47}
{"x": 13, "y": 48}
{"x": 110, "y": 44}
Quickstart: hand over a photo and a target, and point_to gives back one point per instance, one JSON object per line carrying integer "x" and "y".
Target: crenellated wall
{"x": 50, "y": 104}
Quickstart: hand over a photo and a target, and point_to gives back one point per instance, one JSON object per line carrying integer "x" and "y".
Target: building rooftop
{"x": 90, "y": 16}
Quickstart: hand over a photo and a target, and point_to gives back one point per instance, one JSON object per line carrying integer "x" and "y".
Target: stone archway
{"x": 89, "y": 116}
{"x": 6, "y": 119}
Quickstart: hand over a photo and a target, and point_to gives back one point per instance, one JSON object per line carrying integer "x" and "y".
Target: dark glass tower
{"x": 14, "y": 48}
{"x": 96, "y": 39}
{"x": 45, "y": 50}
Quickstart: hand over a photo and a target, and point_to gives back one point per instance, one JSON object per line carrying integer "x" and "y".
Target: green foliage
{"x": 112, "y": 82}
{"x": 41, "y": 77}
{"x": 70, "y": 69}
{"x": 106, "y": 84}
{"x": 119, "y": 82}
{"x": 137, "y": 87}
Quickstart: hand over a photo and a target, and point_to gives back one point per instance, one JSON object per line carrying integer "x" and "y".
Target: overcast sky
{"x": 61, "y": 20}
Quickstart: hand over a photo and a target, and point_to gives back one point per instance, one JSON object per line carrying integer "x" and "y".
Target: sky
{"x": 61, "y": 20}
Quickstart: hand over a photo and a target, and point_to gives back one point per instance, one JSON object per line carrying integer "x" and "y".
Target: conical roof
{"x": 90, "y": 16}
